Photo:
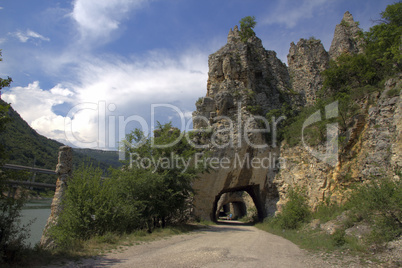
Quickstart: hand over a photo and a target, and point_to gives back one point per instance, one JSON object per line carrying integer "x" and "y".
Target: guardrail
{"x": 32, "y": 169}
{"x": 32, "y": 184}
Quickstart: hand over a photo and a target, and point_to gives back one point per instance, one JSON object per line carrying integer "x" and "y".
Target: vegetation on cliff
{"x": 247, "y": 25}
{"x": 352, "y": 77}
{"x": 371, "y": 212}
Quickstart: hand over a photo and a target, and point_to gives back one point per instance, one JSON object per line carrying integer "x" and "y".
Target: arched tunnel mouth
{"x": 236, "y": 209}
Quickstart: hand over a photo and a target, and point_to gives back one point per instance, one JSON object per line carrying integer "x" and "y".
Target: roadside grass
{"x": 316, "y": 240}
{"x": 376, "y": 203}
{"x": 98, "y": 245}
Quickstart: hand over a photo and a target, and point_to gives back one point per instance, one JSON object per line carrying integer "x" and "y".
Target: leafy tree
{"x": 384, "y": 40}
{"x": 153, "y": 189}
{"x": 382, "y": 56}
{"x": 93, "y": 206}
{"x": 4, "y": 82}
{"x": 160, "y": 173}
{"x": 247, "y": 25}
{"x": 12, "y": 234}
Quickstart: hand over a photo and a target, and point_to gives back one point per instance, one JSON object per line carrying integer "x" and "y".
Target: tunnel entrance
{"x": 239, "y": 203}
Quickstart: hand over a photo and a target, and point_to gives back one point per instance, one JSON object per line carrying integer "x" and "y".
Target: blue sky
{"x": 87, "y": 71}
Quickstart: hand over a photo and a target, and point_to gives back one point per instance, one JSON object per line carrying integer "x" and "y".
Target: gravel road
{"x": 215, "y": 246}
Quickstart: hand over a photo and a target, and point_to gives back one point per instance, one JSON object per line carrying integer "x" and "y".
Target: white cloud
{"x": 35, "y": 106}
{"x": 130, "y": 87}
{"x": 289, "y": 12}
{"x": 96, "y": 19}
{"x": 28, "y": 34}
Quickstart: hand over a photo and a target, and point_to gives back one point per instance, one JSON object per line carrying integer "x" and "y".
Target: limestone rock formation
{"x": 238, "y": 67}
{"x": 372, "y": 148}
{"x": 63, "y": 169}
{"x": 347, "y": 37}
{"x": 244, "y": 82}
{"x": 306, "y": 61}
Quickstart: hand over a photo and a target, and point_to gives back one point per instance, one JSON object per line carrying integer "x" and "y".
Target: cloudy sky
{"x": 87, "y": 71}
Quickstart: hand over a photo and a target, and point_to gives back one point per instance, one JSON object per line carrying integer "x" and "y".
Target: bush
{"x": 338, "y": 238}
{"x": 295, "y": 212}
{"x": 92, "y": 206}
{"x": 12, "y": 234}
{"x": 327, "y": 211}
{"x": 247, "y": 25}
{"x": 379, "y": 202}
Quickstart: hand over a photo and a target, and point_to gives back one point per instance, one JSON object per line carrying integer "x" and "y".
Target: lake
{"x": 38, "y": 210}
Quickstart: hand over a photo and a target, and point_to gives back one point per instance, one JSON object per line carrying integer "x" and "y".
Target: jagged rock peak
{"x": 347, "y": 17}
{"x": 347, "y": 38}
{"x": 246, "y": 74}
{"x": 234, "y": 34}
{"x": 306, "y": 61}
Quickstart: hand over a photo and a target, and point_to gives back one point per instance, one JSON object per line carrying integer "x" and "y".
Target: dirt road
{"x": 215, "y": 246}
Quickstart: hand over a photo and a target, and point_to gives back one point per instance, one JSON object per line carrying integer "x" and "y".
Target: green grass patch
{"x": 80, "y": 249}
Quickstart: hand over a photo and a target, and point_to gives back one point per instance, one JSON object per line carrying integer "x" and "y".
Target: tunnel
{"x": 238, "y": 206}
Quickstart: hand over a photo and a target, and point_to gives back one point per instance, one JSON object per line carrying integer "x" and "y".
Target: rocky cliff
{"x": 347, "y": 37}
{"x": 372, "y": 148}
{"x": 245, "y": 82}
{"x": 306, "y": 61}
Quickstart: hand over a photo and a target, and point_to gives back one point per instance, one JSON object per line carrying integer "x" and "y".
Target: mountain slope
{"x": 24, "y": 146}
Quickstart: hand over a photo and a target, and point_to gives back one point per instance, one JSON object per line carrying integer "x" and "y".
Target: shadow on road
{"x": 234, "y": 223}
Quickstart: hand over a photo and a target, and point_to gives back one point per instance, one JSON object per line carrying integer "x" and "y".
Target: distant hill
{"x": 24, "y": 146}
{"x": 105, "y": 158}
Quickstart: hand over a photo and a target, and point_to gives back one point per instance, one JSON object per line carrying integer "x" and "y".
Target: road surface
{"x": 214, "y": 246}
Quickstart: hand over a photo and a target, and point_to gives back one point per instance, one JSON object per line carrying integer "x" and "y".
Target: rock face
{"x": 372, "y": 148}
{"x": 63, "y": 169}
{"x": 378, "y": 150}
{"x": 247, "y": 73}
{"x": 306, "y": 61}
{"x": 245, "y": 81}
{"x": 346, "y": 37}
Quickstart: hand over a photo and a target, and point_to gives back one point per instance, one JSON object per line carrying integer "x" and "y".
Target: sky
{"x": 86, "y": 72}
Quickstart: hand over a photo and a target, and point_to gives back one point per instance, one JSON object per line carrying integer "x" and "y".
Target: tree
{"x": 12, "y": 234}
{"x": 160, "y": 178}
{"x": 92, "y": 206}
{"x": 4, "y": 82}
{"x": 382, "y": 56}
{"x": 247, "y": 25}
{"x": 384, "y": 41}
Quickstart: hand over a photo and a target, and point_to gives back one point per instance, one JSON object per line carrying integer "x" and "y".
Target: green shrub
{"x": 379, "y": 202}
{"x": 92, "y": 206}
{"x": 247, "y": 25}
{"x": 393, "y": 92}
{"x": 13, "y": 234}
{"x": 338, "y": 238}
{"x": 326, "y": 211}
{"x": 295, "y": 212}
